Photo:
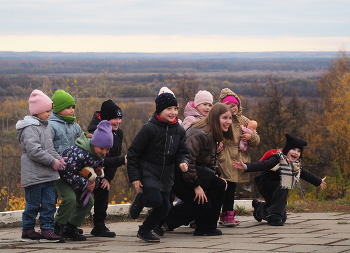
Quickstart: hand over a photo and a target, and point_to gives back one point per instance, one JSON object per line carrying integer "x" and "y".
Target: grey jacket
{"x": 63, "y": 133}
{"x": 38, "y": 155}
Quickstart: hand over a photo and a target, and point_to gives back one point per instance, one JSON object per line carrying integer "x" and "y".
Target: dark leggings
{"x": 229, "y": 197}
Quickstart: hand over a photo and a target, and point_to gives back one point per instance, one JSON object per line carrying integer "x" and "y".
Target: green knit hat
{"x": 61, "y": 100}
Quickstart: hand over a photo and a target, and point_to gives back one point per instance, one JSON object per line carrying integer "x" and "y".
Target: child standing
{"x": 39, "y": 169}
{"x": 279, "y": 173}
{"x": 64, "y": 129}
{"x": 111, "y": 112}
{"x": 158, "y": 149}
{"x": 197, "y": 109}
{"x": 88, "y": 151}
{"x": 232, "y": 152}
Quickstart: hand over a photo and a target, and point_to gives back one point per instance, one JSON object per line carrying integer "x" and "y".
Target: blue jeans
{"x": 40, "y": 198}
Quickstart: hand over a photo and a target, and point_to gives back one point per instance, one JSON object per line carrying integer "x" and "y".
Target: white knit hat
{"x": 165, "y": 90}
{"x": 203, "y": 96}
{"x": 39, "y": 102}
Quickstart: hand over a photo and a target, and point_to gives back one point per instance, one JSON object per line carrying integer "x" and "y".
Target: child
{"x": 279, "y": 173}
{"x": 197, "y": 109}
{"x": 64, "y": 129}
{"x": 202, "y": 193}
{"x": 111, "y": 112}
{"x": 251, "y": 128}
{"x": 39, "y": 169}
{"x": 155, "y": 152}
{"x": 88, "y": 151}
{"x": 231, "y": 152}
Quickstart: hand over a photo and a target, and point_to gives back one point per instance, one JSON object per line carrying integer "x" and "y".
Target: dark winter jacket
{"x": 113, "y": 159}
{"x": 79, "y": 156}
{"x": 156, "y": 150}
{"x": 269, "y": 175}
{"x": 202, "y": 148}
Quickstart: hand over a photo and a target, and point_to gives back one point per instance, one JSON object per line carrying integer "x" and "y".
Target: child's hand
{"x": 220, "y": 147}
{"x": 323, "y": 185}
{"x": 58, "y": 165}
{"x": 91, "y": 185}
{"x": 200, "y": 195}
{"x": 183, "y": 167}
{"x": 105, "y": 184}
{"x": 239, "y": 165}
{"x": 137, "y": 185}
{"x": 125, "y": 159}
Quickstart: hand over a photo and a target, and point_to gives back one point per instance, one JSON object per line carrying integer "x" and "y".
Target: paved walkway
{"x": 303, "y": 232}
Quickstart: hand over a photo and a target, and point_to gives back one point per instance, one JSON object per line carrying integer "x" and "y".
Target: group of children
{"x": 164, "y": 156}
{"x": 58, "y": 157}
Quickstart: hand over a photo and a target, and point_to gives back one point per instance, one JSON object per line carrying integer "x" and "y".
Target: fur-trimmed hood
{"x": 227, "y": 92}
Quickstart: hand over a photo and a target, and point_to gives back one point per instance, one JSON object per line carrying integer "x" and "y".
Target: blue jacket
{"x": 63, "y": 133}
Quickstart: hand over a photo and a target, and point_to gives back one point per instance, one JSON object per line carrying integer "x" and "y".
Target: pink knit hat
{"x": 203, "y": 96}
{"x": 39, "y": 102}
{"x": 230, "y": 100}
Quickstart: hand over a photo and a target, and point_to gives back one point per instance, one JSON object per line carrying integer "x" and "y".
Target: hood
{"x": 56, "y": 117}
{"x": 227, "y": 92}
{"x": 94, "y": 122}
{"x": 190, "y": 110}
{"x": 85, "y": 143}
{"x": 27, "y": 121}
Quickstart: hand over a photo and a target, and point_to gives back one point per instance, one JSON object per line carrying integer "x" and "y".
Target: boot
{"x": 48, "y": 235}
{"x": 58, "y": 229}
{"x": 100, "y": 230}
{"x": 147, "y": 235}
{"x": 72, "y": 232}
{"x": 230, "y": 219}
{"x": 222, "y": 218}
{"x": 256, "y": 205}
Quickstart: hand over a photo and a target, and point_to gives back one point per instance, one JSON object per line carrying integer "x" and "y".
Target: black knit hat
{"x": 293, "y": 142}
{"x": 109, "y": 110}
{"x": 165, "y": 100}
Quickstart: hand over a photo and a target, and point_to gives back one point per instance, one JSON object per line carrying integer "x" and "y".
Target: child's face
{"x": 225, "y": 121}
{"x": 100, "y": 152}
{"x": 44, "y": 115}
{"x": 233, "y": 108}
{"x": 204, "y": 108}
{"x": 69, "y": 111}
{"x": 115, "y": 123}
{"x": 294, "y": 154}
{"x": 169, "y": 114}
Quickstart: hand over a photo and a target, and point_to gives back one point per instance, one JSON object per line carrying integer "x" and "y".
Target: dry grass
{"x": 342, "y": 206}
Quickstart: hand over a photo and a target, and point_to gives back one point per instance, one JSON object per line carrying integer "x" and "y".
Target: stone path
{"x": 303, "y": 232}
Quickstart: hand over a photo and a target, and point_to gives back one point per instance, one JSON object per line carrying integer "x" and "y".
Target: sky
{"x": 174, "y": 25}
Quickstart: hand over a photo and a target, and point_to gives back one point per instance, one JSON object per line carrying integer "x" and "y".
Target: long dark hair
{"x": 212, "y": 123}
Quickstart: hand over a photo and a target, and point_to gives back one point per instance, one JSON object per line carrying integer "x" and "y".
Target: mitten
{"x": 57, "y": 165}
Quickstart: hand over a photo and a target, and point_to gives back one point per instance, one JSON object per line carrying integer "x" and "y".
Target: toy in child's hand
{"x": 251, "y": 128}
{"x": 91, "y": 175}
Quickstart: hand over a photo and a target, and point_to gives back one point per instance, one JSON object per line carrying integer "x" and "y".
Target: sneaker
{"x": 136, "y": 206}
{"x": 256, "y": 205}
{"x": 72, "y": 232}
{"x": 30, "y": 235}
{"x": 48, "y": 235}
{"x": 209, "y": 232}
{"x": 100, "y": 230}
{"x": 276, "y": 223}
{"x": 158, "y": 230}
{"x": 193, "y": 224}
{"x": 147, "y": 235}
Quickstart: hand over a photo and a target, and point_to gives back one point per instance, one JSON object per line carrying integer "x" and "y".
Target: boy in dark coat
{"x": 111, "y": 112}
{"x": 155, "y": 152}
{"x": 280, "y": 170}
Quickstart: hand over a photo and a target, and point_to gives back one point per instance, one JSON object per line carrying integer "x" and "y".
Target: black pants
{"x": 206, "y": 215}
{"x": 100, "y": 204}
{"x": 159, "y": 201}
{"x": 229, "y": 198}
{"x": 274, "y": 207}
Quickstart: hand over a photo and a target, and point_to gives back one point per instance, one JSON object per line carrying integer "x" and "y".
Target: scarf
{"x": 289, "y": 171}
